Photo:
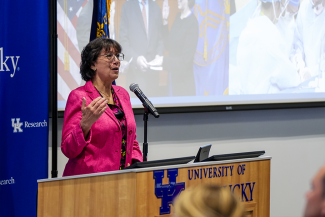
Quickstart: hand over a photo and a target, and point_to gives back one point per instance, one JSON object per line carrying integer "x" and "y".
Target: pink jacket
{"x": 101, "y": 152}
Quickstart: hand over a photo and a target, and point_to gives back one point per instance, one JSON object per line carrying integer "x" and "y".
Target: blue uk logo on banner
{"x": 167, "y": 193}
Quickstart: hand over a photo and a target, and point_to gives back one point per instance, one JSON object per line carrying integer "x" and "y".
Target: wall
{"x": 295, "y": 138}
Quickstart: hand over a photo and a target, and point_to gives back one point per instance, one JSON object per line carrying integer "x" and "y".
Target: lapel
{"x": 93, "y": 94}
{"x": 138, "y": 14}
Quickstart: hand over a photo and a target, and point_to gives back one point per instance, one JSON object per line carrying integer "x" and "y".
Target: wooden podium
{"x": 148, "y": 192}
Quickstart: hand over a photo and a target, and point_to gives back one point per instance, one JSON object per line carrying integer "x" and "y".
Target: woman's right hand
{"x": 91, "y": 113}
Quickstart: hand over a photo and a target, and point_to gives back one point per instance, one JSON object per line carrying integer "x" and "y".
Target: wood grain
{"x": 133, "y": 194}
{"x": 251, "y": 209}
{"x": 111, "y": 195}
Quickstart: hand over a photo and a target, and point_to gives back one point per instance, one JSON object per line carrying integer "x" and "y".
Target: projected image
{"x": 277, "y": 46}
{"x": 211, "y": 59}
{"x": 176, "y": 50}
{"x": 180, "y": 50}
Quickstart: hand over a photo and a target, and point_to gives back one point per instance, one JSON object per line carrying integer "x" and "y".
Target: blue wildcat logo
{"x": 168, "y": 192}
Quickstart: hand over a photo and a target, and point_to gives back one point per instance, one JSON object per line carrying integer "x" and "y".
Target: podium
{"x": 149, "y": 192}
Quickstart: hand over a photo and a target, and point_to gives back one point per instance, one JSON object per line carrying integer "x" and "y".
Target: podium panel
{"x": 110, "y": 195}
{"x": 250, "y": 181}
{"x": 149, "y": 192}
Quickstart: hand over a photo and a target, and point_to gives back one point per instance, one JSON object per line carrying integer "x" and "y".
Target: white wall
{"x": 295, "y": 138}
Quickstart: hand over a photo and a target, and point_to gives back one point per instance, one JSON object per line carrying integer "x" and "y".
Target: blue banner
{"x": 24, "y": 90}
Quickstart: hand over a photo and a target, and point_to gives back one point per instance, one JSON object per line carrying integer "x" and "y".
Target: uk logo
{"x": 167, "y": 193}
{"x": 17, "y": 125}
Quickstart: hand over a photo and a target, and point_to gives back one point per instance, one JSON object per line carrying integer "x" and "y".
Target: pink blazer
{"x": 101, "y": 151}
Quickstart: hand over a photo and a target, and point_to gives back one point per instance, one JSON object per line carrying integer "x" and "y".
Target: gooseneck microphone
{"x": 145, "y": 102}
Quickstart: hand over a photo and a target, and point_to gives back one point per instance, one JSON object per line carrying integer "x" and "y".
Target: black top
{"x": 181, "y": 42}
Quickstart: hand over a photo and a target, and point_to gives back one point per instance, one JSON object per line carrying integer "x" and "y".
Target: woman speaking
{"x": 99, "y": 130}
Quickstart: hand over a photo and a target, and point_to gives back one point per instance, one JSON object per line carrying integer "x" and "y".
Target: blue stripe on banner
{"x": 24, "y": 89}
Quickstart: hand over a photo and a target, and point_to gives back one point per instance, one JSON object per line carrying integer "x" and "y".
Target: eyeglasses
{"x": 110, "y": 56}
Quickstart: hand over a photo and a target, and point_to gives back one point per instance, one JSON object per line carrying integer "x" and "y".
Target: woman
{"x": 208, "y": 201}
{"x": 99, "y": 130}
{"x": 181, "y": 42}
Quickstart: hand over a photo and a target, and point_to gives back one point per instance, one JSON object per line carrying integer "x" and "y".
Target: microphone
{"x": 145, "y": 102}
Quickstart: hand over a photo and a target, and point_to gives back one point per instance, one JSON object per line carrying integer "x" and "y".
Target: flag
{"x": 211, "y": 61}
{"x": 69, "y": 50}
{"x": 74, "y": 21}
{"x": 100, "y": 21}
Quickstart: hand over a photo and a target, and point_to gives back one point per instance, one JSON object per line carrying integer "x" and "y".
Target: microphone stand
{"x": 145, "y": 143}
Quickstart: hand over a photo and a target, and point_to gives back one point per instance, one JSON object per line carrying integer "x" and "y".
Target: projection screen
{"x": 218, "y": 52}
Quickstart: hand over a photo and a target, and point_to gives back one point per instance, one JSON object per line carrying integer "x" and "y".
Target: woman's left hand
{"x": 91, "y": 113}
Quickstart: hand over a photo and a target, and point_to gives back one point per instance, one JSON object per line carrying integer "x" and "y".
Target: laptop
{"x": 165, "y": 162}
{"x": 202, "y": 154}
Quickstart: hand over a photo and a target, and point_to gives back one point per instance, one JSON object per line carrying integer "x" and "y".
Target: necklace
{"x": 102, "y": 93}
